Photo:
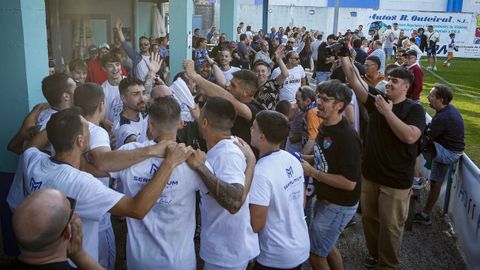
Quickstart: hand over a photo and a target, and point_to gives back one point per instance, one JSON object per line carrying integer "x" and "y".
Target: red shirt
{"x": 96, "y": 74}
{"x": 415, "y": 89}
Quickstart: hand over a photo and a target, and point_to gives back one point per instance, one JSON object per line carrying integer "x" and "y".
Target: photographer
{"x": 390, "y": 151}
{"x": 324, "y": 60}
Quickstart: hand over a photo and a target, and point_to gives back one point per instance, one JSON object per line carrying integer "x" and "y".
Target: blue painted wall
{"x": 24, "y": 40}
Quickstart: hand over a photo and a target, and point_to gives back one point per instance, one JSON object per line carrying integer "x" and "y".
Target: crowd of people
{"x": 281, "y": 165}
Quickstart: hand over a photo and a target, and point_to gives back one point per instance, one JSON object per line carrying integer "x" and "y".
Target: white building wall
{"x": 424, "y": 5}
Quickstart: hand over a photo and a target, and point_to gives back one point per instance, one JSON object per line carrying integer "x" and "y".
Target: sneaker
{"x": 422, "y": 219}
{"x": 448, "y": 65}
{"x": 419, "y": 183}
{"x": 434, "y": 68}
{"x": 370, "y": 262}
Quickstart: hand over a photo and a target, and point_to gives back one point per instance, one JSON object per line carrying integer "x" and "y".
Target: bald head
{"x": 160, "y": 91}
{"x": 39, "y": 220}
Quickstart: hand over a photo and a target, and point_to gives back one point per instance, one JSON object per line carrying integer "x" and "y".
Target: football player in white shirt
{"x": 163, "y": 239}
{"x": 113, "y": 102}
{"x": 227, "y": 238}
{"x": 277, "y": 197}
{"x": 133, "y": 121}
{"x": 91, "y": 99}
{"x": 69, "y": 134}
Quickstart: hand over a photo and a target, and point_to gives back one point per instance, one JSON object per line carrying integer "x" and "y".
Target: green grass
{"x": 464, "y": 74}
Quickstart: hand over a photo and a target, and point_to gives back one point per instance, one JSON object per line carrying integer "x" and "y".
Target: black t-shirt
{"x": 386, "y": 159}
{"x": 321, "y": 58}
{"x": 338, "y": 151}
{"x": 241, "y": 127}
{"x": 16, "y": 264}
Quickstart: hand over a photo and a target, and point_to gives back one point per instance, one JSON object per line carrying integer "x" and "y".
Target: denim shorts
{"x": 388, "y": 51}
{"x": 327, "y": 225}
{"x": 442, "y": 161}
{"x": 322, "y": 76}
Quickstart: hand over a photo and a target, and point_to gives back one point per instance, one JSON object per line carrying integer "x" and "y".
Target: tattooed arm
{"x": 230, "y": 196}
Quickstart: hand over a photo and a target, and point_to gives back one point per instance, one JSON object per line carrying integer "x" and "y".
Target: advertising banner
{"x": 464, "y": 209}
{"x": 466, "y": 27}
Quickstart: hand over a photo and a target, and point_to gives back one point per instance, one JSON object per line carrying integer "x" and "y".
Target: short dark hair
{"x": 165, "y": 112}
{"x": 442, "y": 91}
{"x": 62, "y": 129}
{"x": 375, "y": 59}
{"x": 261, "y": 62}
{"x": 307, "y": 92}
{"x": 243, "y": 37}
{"x": 389, "y": 68}
{"x": 331, "y": 36}
{"x": 248, "y": 78}
{"x": 378, "y": 43}
{"x": 110, "y": 58}
{"x": 402, "y": 73}
{"x": 77, "y": 64}
{"x": 202, "y": 39}
{"x": 283, "y": 107}
{"x": 357, "y": 43}
{"x": 337, "y": 90}
{"x": 53, "y": 87}
{"x": 87, "y": 97}
{"x": 273, "y": 125}
{"x": 220, "y": 113}
{"x": 144, "y": 37}
{"x": 127, "y": 82}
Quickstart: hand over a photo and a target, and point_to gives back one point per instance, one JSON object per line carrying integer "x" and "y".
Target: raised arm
{"x": 279, "y": 55}
{"x": 211, "y": 89}
{"x": 354, "y": 80}
{"x": 136, "y": 57}
{"x": 217, "y": 72}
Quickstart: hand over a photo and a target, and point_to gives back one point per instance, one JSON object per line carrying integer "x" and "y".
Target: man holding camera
{"x": 390, "y": 151}
{"x": 324, "y": 60}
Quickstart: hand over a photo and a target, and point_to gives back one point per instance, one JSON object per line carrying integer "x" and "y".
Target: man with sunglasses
{"x": 390, "y": 151}
{"x": 296, "y": 77}
{"x": 47, "y": 232}
{"x": 140, "y": 60}
{"x": 336, "y": 156}
{"x": 69, "y": 134}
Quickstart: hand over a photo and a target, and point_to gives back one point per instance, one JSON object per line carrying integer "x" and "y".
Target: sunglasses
{"x": 291, "y": 42}
{"x": 73, "y": 203}
{"x": 145, "y": 44}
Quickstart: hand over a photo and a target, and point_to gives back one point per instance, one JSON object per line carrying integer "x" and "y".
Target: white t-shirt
{"x": 227, "y": 240}
{"x": 228, "y": 74}
{"x": 93, "y": 198}
{"x": 44, "y": 116}
{"x": 291, "y": 84}
{"x": 356, "y": 112}
{"x": 141, "y": 69}
{"x": 113, "y": 102}
{"x": 279, "y": 184}
{"x": 163, "y": 239}
{"x": 126, "y": 128}
{"x": 99, "y": 138}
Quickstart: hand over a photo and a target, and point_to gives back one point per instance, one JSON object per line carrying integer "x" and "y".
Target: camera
{"x": 288, "y": 47}
{"x": 339, "y": 48}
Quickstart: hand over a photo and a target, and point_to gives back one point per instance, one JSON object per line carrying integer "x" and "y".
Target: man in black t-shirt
{"x": 337, "y": 156}
{"x": 390, "y": 151}
{"x": 240, "y": 92}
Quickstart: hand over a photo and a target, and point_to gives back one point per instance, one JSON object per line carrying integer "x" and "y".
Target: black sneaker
{"x": 370, "y": 262}
{"x": 422, "y": 219}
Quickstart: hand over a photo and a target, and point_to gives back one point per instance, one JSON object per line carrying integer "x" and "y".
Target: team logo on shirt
{"x": 34, "y": 185}
{"x": 153, "y": 169}
{"x": 289, "y": 172}
{"x": 327, "y": 142}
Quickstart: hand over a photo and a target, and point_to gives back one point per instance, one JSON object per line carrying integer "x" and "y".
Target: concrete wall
{"x": 430, "y": 5}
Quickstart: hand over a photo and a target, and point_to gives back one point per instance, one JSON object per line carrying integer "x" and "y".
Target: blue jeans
{"x": 441, "y": 162}
{"x": 327, "y": 225}
{"x": 322, "y": 76}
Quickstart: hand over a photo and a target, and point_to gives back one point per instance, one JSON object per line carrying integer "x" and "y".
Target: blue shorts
{"x": 442, "y": 161}
{"x": 322, "y": 76}
{"x": 431, "y": 52}
{"x": 388, "y": 51}
{"x": 328, "y": 223}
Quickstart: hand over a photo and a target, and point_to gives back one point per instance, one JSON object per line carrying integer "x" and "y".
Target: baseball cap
{"x": 411, "y": 52}
{"x": 104, "y": 45}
